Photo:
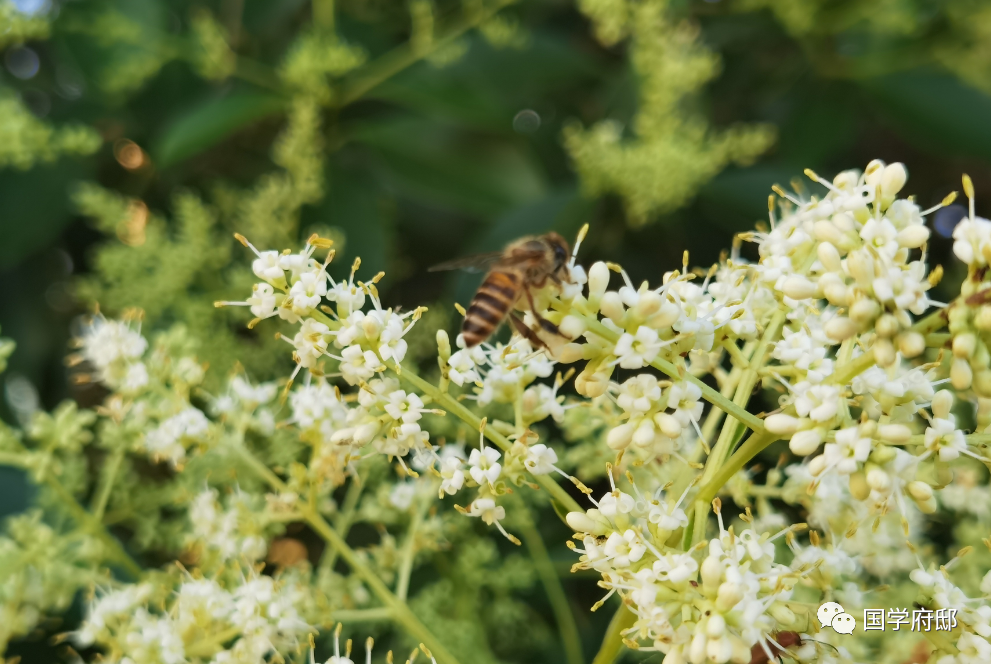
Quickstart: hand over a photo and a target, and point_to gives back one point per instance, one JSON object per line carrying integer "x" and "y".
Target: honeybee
{"x": 523, "y": 265}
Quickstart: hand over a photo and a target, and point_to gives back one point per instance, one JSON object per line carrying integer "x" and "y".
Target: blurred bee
{"x": 523, "y": 265}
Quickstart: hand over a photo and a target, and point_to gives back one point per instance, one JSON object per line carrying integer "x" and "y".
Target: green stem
{"x": 409, "y": 551}
{"x": 323, "y": 14}
{"x": 565, "y": 619}
{"x": 751, "y": 448}
{"x": 102, "y": 496}
{"x": 94, "y": 527}
{"x": 342, "y": 523}
{"x": 612, "y": 644}
{"x": 669, "y": 369}
{"x": 728, "y": 434}
{"x": 400, "y": 612}
{"x": 388, "y": 65}
{"x": 362, "y": 615}
{"x": 456, "y": 408}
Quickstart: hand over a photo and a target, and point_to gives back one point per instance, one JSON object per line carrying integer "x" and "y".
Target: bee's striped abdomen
{"x": 495, "y": 297}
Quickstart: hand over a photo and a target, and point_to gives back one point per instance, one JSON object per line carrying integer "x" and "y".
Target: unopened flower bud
{"x": 817, "y": 465}
{"x": 711, "y": 572}
{"x": 443, "y": 346}
{"x": 913, "y": 237}
{"x": 840, "y": 328}
{"x": 837, "y": 293}
{"x": 781, "y": 424}
{"x": 895, "y": 434}
{"x": 860, "y": 264}
{"x": 885, "y": 353}
{"x": 964, "y": 344}
{"x": 893, "y": 178}
{"x": 668, "y": 424}
{"x": 719, "y": 650}
{"x": 982, "y": 319}
{"x": 598, "y": 279}
{"x": 942, "y": 404}
{"x": 859, "y": 488}
{"x": 611, "y": 306}
{"x": 619, "y": 438}
{"x": 982, "y": 382}
{"x": 826, "y": 231}
{"x": 798, "y": 287}
{"x": 874, "y": 172}
{"x": 919, "y": 490}
{"x": 844, "y": 222}
{"x": 781, "y": 613}
{"x": 580, "y": 522}
{"x": 716, "y": 626}
{"x": 805, "y": 442}
{"x": 570, "y": 353}
{"x": 864, "y": 311}
{"x": 729, "y": 595}
{"x": 961, "y": 375}
{"x": 878, "y": 480}
{"x": 572, "y": 327}
{"x": 649, "y": 304}
{"x": 887, "y": 326}
{"x": 829, "y": 256}
{"x": 665, "y": 316}
{"x": 911, "y": 344}
{"x": 696, "y": 651}
{"x": 645, "y": 434}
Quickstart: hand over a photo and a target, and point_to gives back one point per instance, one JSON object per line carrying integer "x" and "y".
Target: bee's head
{"x": 561, "y": 250}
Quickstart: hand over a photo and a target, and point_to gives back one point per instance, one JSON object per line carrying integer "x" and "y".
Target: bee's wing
{"x": 475, "y": 263}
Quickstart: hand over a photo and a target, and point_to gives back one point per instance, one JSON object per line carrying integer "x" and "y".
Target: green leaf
{"x": 210, "y": 122}
{"x": 935, "y": 111}
{"x": 437, "y": 165}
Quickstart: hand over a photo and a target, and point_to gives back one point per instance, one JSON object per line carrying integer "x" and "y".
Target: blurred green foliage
{"x": 137, "y": 135}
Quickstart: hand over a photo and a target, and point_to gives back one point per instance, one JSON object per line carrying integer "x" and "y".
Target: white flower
{"x": 107, "y": 341}
{"x": 818, "y": 402}
{"x": 307, "y": 292}
{"x": 973, "y": 241}
{"x": 639, "y": 394}
{"x": 405, "y": 407}
{"x": 453, "y": 478}
{"x": 169, "y": 440}
{"x": 358, "y": 365}
{"x": 401, "y": 496}
{"x": 267, "y": 268}
{"x": 943, "y": 438}
{"x": 347, "y": 296}
{"x": 667, "y": 517}
{"x": 540, "y": 459}
{"x": 487, "y": 510}
{"x": 253, "y": 395}
{"x": 262, "y": 300}
{"x": 462, "y": 368}
{"x": 637, "y": 351}
{"x": 311, "y": 342}
{"x": 485, "y": 467}
{"x": 624, "y": 549}
{"x": 848, "y": 451}
{"x": 613, "y": 504}
{"x": 685, "y": 397}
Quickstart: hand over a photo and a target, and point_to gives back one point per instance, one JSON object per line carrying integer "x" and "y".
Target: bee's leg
{"x": 525, "y": 331}
{"x": 545, "y": 324}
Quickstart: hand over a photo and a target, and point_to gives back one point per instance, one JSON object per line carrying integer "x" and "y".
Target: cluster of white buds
{"x": 257, "y": 615}
{"x": 716, "y": 611}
